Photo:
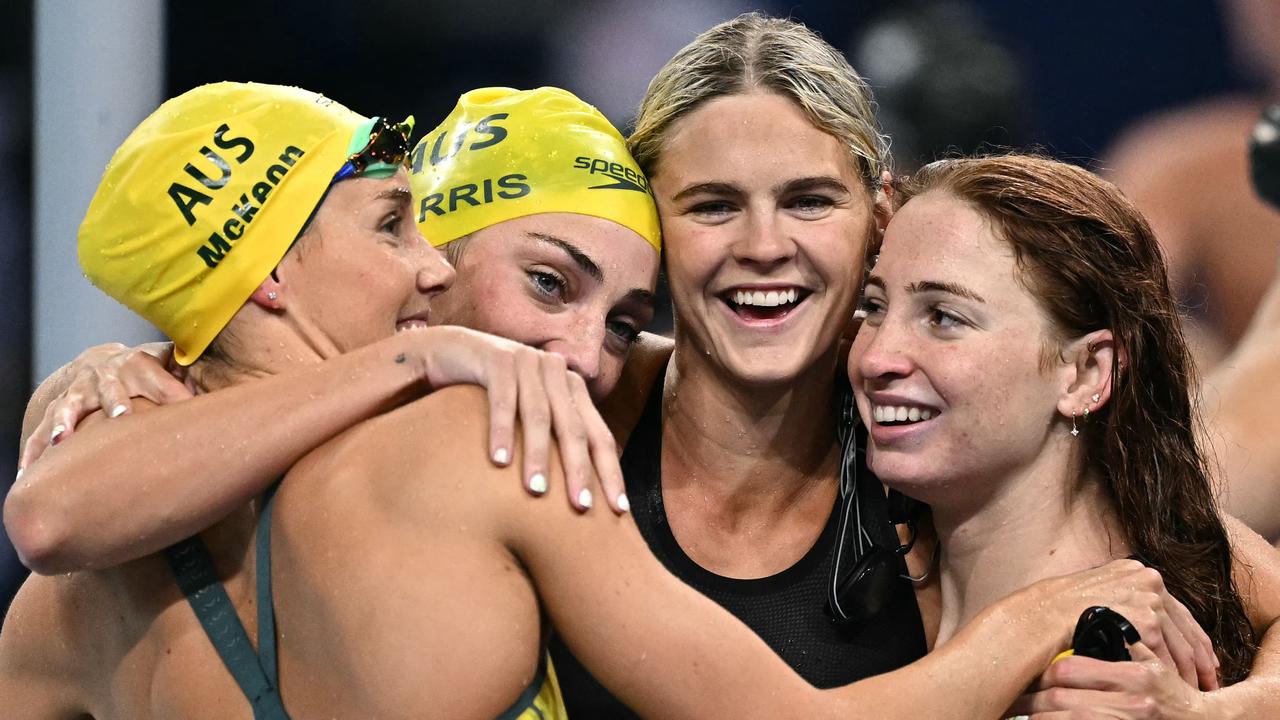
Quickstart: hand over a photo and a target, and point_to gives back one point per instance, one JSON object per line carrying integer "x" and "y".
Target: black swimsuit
{"x": 787, "y": 610}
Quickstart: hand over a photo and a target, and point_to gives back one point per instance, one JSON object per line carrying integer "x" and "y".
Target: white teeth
{"x": 899, "y": 413}
{"x": 760, "y": 298}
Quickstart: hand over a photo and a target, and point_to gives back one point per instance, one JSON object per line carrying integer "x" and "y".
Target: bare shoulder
{"x": 1161, "y": 141}
{"x": 427, "y": 453}
{"x": 1257, "y": 572}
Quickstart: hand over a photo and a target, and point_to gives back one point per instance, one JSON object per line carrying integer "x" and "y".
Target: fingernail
{"x": 118, "y": 410}
{"x": 501, "y": 456}
{"x": 584, "y": 498}
{"x": 538, "y": 483}
{"x": 57, "y": 433}
{"x": 18, "y": 476}
{"x": 623, "y": 503}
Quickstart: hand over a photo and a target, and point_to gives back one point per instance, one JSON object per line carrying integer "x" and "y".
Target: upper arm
{"x": 1256, "y": 569}
{"x": 662, "y": 647}
{"x": 39, "y": 673}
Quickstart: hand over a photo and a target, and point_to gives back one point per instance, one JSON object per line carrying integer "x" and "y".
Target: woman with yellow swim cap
{"x": 780, "y": 370}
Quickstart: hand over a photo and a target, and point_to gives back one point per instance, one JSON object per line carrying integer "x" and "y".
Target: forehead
{"x": 939, "y": 237}
{"x": 361, "y": 193}
{"x": 625, "y": 258}
{"x": 756, "y": 135}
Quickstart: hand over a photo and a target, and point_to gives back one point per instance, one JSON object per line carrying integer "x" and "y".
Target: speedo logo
{"x": 624, "y": 178}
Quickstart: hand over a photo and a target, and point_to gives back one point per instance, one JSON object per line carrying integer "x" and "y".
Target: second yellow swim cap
{"x": 503, "y": 154}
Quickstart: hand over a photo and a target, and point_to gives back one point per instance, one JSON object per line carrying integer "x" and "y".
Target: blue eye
{"x": 813, "y": 202}
{"x": 624, "y": 331}
{"x": 547, "y": 283}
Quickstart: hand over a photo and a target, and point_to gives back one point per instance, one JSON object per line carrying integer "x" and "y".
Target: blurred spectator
{"x": 1187, "y": 170}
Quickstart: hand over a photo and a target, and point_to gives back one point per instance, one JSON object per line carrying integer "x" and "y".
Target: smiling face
{"x": 575, "y": 285}
{"x": 362, "y": 269}
{"x": 764, "y": 219}
{"x": 949, "y": 365}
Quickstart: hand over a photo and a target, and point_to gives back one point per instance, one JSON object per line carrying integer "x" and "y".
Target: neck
{"x": 753, "y": 447}
{"x": 1045, "y": 520}
{"x": 260, "y": 347}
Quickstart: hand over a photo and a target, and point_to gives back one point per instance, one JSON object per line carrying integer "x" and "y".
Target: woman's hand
{"x": 548, "y": 397}
{"x": 105, "y": 377}
{"x": 1137, "y": 592}
{"x": 1081, "y": 687}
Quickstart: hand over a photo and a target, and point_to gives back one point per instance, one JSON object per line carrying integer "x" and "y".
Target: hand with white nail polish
{"x": 537, "y": 388}
{"x": 104, "y": 377}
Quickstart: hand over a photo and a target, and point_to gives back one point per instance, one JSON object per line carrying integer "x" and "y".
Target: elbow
{"x": 41, "y": 544}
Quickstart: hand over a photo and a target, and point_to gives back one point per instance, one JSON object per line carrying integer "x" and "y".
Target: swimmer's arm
{"x": 123, "y": 488}
{"x": 1256, "y": 569}
{"x": 1238, "y": 403}
{"x": 668, "y": 651}
{"x": 39, "y": 667}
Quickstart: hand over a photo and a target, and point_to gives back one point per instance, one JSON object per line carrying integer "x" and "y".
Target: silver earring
{"x": 271, "y": 295}
{"x": 1097, "y": 397}
{"x": 1074, "y": 430}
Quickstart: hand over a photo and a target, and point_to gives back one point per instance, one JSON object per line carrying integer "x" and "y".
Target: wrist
{"x": 1220, "y": 705}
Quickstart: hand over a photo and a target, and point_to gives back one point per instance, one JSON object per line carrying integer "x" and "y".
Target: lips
{"x": 412, "y": 322}
{"x": 764, "y": 303}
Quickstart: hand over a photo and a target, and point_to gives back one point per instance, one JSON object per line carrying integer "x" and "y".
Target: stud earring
{"x": 1086, "y": 414}
{"x": 271, "y": 295}
{"x": 1074, "y": 430}
{"x": 1096, "y": 397}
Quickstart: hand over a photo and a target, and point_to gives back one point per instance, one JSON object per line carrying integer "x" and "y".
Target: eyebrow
{"x": 932, "y": 286}
{"x": 819, "y": 182}
{"x": 641, "y": 296}
{"x": 580, "y": 258}
{"x": 708, "y": 188}
{"x": 396, "y": 194}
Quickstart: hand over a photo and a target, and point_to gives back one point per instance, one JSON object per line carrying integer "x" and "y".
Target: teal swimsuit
{"x": 257, "y": 672}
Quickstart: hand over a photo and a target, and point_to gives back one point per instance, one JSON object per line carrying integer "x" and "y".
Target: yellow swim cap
{"x": 205, "y": 196}
{"x": 503, "y": 154}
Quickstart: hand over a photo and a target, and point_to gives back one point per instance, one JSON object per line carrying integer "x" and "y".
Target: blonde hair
{"x": 754, "y": 51}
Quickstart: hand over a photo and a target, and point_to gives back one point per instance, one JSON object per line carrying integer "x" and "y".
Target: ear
{"x": 1089, "y": 360}
{"x": 883, "y": 205}
{"x": 269, "y": 295}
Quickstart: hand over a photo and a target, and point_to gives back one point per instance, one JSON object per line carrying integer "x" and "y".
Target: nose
{"x": 435, "y": 274}
{"x": 581, "y": 347}
{"x": 881, "y": 353}
{"x": 764, "y": 241}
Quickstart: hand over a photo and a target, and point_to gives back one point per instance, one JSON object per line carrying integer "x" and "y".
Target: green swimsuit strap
{"x": 255, "y": 672}
{"x": 530, "y": 695}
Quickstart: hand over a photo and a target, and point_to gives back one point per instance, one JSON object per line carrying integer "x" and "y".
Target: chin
{"x": 765, "y": 367}
{"x": 911, "y": 476}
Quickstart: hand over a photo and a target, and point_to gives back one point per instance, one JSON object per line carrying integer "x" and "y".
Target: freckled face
{"x": 947, "y": 365}
{"x": 764, "y": 220}
{"x": 575, "y": 285}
